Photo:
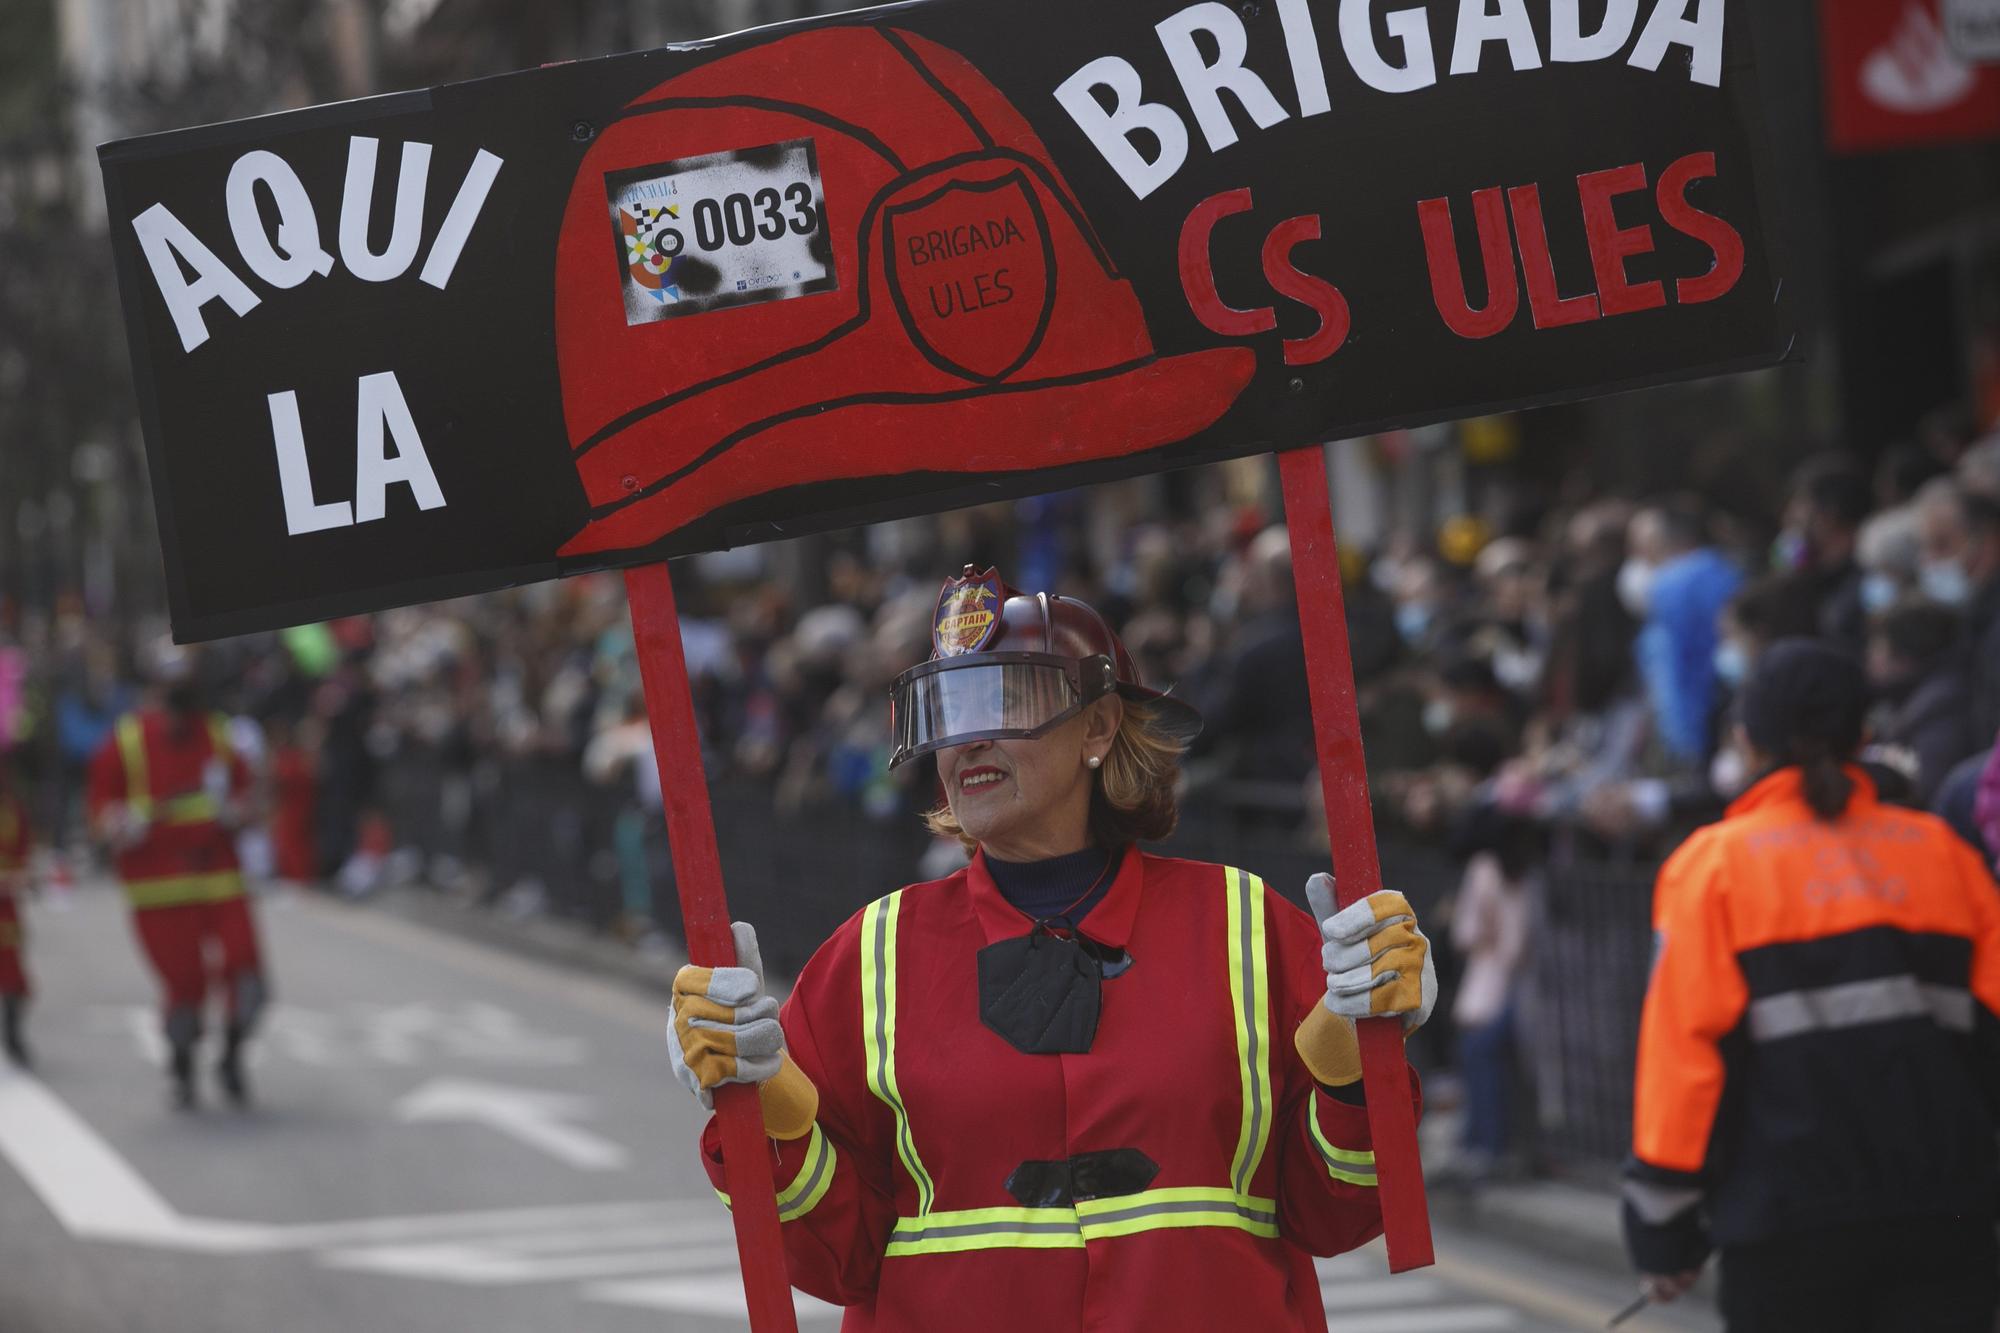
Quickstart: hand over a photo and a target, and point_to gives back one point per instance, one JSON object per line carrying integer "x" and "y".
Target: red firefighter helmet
{"x": 926, "y": 295}
{"x": 1005, "y": 663}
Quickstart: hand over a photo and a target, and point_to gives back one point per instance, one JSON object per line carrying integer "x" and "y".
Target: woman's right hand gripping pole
{"x": 726, "y": 1031}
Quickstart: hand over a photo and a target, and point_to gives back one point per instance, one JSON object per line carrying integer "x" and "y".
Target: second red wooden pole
{"x": 1350, "y": 824}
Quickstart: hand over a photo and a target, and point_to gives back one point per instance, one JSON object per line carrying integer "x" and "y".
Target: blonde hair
{"x": 1132, "y": 795}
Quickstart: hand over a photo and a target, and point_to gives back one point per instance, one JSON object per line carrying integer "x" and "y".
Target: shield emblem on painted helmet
{"x": 972, "y": 269}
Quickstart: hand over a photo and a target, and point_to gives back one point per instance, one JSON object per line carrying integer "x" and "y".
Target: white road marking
{"x": 561, "y": 1219}
{"x": 531, "y": 1116}
{"x": 719, "y": 1296}
{"x": 92, "y": 1190}
{"x": 363, "y": 1034}
{"x": 96, "y": 1195}
{"x": 1441, "y": 1319}
{"x": 416, "y": 1034}
{"x": 1408, "y": 1289}
{"x": 1353, "y": 1264}
{"x": 489, "y": 1266}
{"x": 664, "y": 1234}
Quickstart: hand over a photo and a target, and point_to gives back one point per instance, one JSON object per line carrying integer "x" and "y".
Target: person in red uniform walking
{"x": 168, "y": 792}
{"x": 1819, "y": 1056}
{"x": 1073, "y": 1085}
{"x": 295, "y": 789}
{"x": 16, "y": 842}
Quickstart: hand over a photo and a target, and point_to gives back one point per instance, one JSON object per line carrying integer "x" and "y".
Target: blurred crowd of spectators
{"x": 1565, "y": 676}
{"x": 1551, "y": 684}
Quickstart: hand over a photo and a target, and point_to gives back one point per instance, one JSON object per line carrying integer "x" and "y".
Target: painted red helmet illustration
{"x": 1005, "y": 663}
{"x": 838, "y": 256}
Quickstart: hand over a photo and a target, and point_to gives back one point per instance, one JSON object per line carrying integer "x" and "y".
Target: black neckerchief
{"x": 1041, "y": 992}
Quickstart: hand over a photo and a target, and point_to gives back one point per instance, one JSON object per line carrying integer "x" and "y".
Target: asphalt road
{"x": 450, "y": 1138}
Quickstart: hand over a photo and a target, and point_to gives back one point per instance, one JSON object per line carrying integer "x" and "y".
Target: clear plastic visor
{"x": 951, "y": 703}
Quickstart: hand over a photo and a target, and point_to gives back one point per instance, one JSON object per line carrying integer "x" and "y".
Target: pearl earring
{"x": 1093, "y": 761}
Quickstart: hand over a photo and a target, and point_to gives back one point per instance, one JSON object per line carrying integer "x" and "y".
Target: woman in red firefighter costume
{"x": 1074, "y": 1085}
{"x": 168, "y": 793}
{"x": 16, "y": 842}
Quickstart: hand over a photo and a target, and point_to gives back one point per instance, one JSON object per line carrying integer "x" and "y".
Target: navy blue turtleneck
{"x": 1041, "y": 890}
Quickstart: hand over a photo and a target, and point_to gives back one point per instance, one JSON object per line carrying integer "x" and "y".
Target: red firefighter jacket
{"x": 16, "y": 839}
{"x": 1821, "y": 1037}
{"x": 176, "y": 773}
{"x": 898, "y": 1203}
{"x": 15, "y": 843}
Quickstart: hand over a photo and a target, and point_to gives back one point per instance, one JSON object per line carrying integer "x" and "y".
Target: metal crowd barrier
{"x": 1586, "y": 984}
{"x": 799, "y": 875}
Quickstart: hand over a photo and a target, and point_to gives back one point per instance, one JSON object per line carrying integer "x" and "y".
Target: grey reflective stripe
{"x": 1658, "y": 1204}
{"x": 1180, "y": 1206}
{"x": 1855, "y": 1003}
{"x": 804, "y": 1194}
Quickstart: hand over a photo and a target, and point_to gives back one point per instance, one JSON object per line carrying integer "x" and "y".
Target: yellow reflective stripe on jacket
{"x": 192, "y": 808}
{"x": 1354, "y": 1167}
{"x": 1232, "y": 1206}
{"x": 878, "y": 1031}
{"x": 986, "y": 1229}
{"x": 1088, "y": 1220}
{"x": 811, "y": 1183}
{"x": 177, "y": 890}
{"x": 1249, "y": 996}
{"x": 1162, "y": 1209}
{"x": 132, "y": 747}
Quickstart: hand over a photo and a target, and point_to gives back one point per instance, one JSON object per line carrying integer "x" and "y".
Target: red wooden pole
{"x": 1350, "y": 824}
{"x": 746, "y": 1152}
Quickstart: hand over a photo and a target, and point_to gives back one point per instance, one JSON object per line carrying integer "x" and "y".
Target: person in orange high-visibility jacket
{"x": 16, "y": 841}
{"x": 169, "y": 792}
{"x": 1073, "y": 1085}
{"x": 1819, "y": 1056}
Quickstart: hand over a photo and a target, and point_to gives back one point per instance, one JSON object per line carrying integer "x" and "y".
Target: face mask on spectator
{"x": 1635, "y": 586}
{"x": 1413, "y": 620}
{"x": 1792, "y": 552}
{"x": 1732, "y": 664}
{"x": 1728, "y": 772}
{"x": 1878, "y": 592}
{"x": 1946, "y": 582}
{"x": 1438, "y": 716}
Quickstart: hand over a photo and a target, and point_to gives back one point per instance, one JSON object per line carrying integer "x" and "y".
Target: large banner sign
{"x": 889, "y": 262}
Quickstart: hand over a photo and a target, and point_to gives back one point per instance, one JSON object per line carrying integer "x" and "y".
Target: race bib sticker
{"x": 722, "y": 229}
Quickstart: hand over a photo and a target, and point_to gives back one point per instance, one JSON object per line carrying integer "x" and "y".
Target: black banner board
{"x": 903, "y": 259}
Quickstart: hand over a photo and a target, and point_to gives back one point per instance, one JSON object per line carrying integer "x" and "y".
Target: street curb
{"x": 1566, "y": 1221}
{"x": 545, "y": 939}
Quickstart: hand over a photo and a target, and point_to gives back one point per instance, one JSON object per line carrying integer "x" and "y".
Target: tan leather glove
{"x": 1377, "y": 963}
{"x": 726, "y": 1031}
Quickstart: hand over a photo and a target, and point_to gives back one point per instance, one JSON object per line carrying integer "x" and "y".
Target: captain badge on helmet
{"x": 1074, "y": 1084}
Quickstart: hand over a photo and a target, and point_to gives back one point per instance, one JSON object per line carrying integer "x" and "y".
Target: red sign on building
{"x": 1894, "y": 80}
